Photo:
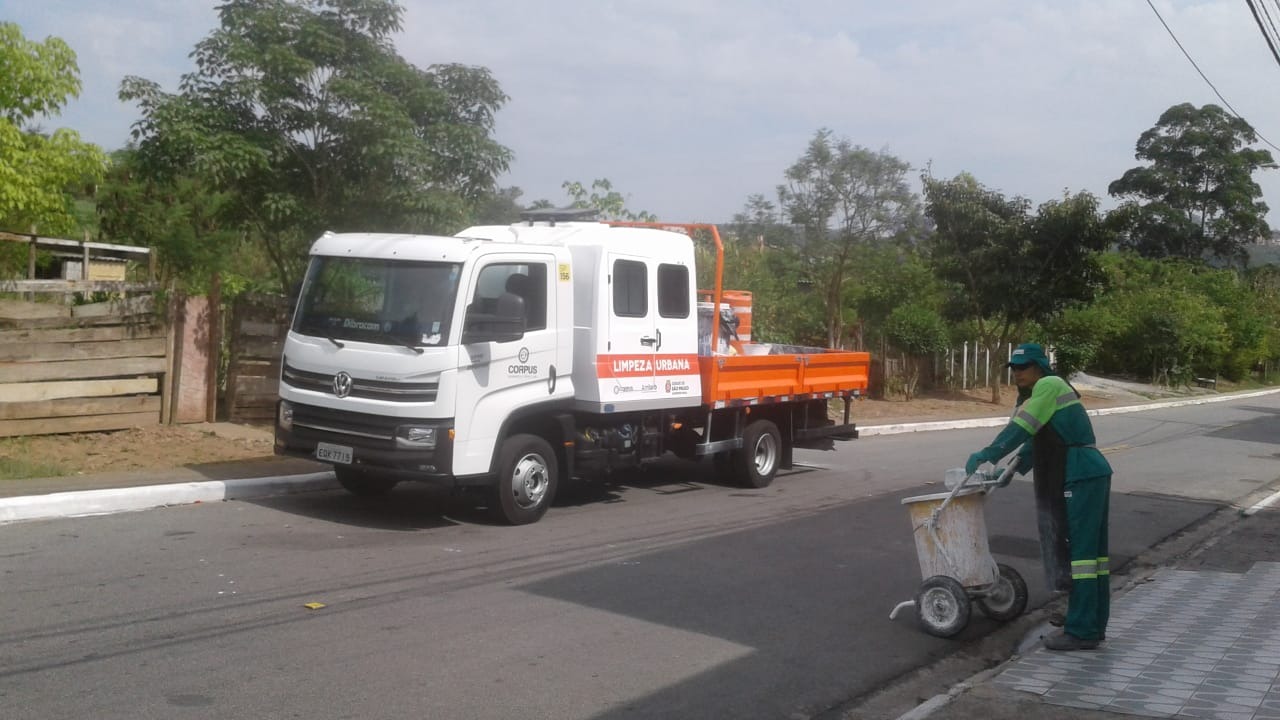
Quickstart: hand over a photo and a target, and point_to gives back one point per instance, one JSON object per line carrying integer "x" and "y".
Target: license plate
{"x": 340, "y": 454}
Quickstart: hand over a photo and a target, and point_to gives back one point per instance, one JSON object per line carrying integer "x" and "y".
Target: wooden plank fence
{"x": 76, "y": 368}
{"x": 259, "y": 324}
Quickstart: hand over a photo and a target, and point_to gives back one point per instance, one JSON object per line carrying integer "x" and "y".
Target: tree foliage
{"x": 303, "y": 113}
{"x": 1007, "y": 268}
{"x": 762, "y": 256}
{"x": 183, "y": 219}
{"x": 844, "y": 196}
{"x": 609, "y": 203}
{"x": 1198, "y": 196}
{"x": 36, "y": 168}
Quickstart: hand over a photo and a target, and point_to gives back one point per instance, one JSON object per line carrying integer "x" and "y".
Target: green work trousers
{"x": 1089, "y": 604}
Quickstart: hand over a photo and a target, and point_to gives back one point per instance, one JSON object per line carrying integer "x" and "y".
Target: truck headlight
{"x": 284, "y": 415}
{"x": 418, "y": 437}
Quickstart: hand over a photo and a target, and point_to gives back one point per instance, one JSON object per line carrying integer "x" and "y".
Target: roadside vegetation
{"x": 299, "y": 117}
{"x": 17, "y": 463}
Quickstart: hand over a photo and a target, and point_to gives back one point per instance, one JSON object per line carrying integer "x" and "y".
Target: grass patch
{"x": 13, "y": 466}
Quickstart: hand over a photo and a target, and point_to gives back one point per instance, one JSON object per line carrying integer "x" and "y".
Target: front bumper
{"x": 372, "y": 439}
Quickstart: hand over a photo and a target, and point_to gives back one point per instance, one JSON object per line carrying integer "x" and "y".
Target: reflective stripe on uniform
{"x": 1066, "y": 399}
{"x": 1104, "y": 566}
{"x": 1033, "y": 425}
{"x": 1084, "y": 569}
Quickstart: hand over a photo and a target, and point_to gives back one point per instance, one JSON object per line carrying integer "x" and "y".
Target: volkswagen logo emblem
{"x": 342, "y": 384}
{"x": 524, "y": 355}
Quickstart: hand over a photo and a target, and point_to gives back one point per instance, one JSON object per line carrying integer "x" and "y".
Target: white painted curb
{"x": 145, "y": 497}
{"x": 105, "y": 502}
{"x": 898, "y": 428}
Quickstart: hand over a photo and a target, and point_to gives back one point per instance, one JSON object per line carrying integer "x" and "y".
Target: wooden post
{"x": 215, "y": 348}
{"x": 84, "y": 246}
{"x": 169, "y": 387}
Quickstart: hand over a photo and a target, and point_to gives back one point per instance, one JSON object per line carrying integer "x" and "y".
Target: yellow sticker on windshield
{"x": 564, "y": 272}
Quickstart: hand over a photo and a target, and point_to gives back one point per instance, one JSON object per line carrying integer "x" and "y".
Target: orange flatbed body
{"x": 759, "y": 379}
{"x": 731, "y": 380}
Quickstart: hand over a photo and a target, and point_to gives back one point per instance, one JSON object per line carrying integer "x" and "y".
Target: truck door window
{"x": 673, "y": 291}
{"x": 630, "y": 289}
{"x": 529, "y": 281}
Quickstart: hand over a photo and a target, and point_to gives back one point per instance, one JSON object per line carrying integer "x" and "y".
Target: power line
{"x": 1206, "y": 77}
{"x": 1253, "y": 8}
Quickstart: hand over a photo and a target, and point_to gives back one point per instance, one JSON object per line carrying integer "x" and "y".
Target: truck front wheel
{"x": 527, "y": 480}
{"x": 757, "y": 460}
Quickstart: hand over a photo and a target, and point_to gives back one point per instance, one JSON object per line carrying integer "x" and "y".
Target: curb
{"x": 898, "y": 428}
{"x": 104, "y": 502}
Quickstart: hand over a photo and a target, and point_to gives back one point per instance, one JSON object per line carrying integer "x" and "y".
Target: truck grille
{"x": 342, "y": 422}
{"x": 361, "y": 388}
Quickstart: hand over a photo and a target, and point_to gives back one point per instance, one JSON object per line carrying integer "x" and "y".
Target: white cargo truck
{"x": 511, "y": 359}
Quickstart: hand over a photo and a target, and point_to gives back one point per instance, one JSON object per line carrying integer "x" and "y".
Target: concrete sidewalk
{"x": 1199, "y": 638}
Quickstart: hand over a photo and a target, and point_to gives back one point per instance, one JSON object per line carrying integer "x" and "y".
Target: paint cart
{"x": 955, "y": 560}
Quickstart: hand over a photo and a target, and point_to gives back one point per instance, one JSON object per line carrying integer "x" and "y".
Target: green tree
{"x": 305, "y": 115}
{"x": 184, "y": 219}
{"x": 500, "y": 207}
{"x": 762, "y": 256}
{"x": 1005, "y": 267}
{"x": 609, "y": 203}
{"x": 38, "y": 169}
{"x": 917, "y": 331}
{"x": 845, "y": 196}
{"x": 1198, "y": 196}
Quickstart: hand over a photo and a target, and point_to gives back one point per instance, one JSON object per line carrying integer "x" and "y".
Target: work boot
{"x": 1066, "y": 642}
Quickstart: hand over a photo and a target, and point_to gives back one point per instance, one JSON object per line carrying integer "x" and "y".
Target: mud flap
{"x": 1051, "y": 518}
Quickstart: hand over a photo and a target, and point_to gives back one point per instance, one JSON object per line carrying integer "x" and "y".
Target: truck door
{"x": 497, "y": 378}
{"x": 633, "y": 334}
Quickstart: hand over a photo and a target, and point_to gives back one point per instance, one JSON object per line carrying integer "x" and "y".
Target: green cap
{"x": 1028, "y": 353}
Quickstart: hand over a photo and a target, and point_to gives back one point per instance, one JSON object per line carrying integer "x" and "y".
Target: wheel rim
{"x": 766, "y": 454}
{"x": 529, "y": 480}
{"x": 939, "y": 608}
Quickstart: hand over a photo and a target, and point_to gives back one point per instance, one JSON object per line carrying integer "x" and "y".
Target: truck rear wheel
{"x": 757, "y": 461}
{"x": 362, "y": 483}
{"x": 527, "y": 480}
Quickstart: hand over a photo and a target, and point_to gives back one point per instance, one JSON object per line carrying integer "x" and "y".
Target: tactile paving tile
{"x": 1197, "y": 644}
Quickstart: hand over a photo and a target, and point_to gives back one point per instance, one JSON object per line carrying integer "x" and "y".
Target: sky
{"x": 691, "y": 106}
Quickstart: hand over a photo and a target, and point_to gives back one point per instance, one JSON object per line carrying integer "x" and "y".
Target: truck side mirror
{"x": 504, "y": 324}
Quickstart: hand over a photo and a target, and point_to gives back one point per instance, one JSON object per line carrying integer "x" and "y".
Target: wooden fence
{"x": 75, "y": 368}
{"x": 259, "y": 324}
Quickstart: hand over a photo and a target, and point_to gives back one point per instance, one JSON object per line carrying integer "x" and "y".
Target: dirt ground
{"x": 158, "y": 448}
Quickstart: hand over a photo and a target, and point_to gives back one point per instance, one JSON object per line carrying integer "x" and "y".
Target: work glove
{"x": 971, "y": 466}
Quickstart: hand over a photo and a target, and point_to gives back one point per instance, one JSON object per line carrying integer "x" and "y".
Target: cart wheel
{"x": 1008, "y": 599}
{"x": 943, "y": 606}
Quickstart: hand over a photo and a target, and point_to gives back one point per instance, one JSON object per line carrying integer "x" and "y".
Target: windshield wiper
{"x": 334, "y": 340}
{"x": 401, "y": 341}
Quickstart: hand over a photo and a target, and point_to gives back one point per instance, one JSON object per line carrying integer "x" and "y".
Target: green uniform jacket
{"x": 1054, "y": 405}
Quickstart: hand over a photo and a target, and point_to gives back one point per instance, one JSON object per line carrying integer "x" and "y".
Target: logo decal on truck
{"x": 618, "y": 366}
{"x": 342, "y": 384}
{"x": 523, "y": 369}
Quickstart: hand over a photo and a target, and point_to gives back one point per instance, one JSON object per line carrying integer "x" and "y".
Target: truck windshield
{"x": 389, "y": 302}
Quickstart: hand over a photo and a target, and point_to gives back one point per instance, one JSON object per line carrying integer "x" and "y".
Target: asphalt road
{"x": 662, "y": 596}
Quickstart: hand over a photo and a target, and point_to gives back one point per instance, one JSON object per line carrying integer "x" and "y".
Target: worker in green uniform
{"x": 1052, "y": 432}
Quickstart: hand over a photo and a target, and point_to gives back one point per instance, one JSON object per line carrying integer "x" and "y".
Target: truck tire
{"x": 757, "y": 461}
{"x": 363, "y": 484}
{"x": 527, "y": 479}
